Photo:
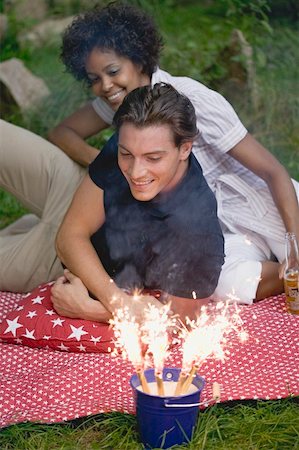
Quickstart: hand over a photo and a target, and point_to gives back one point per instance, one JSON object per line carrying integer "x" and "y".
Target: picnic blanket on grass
{"x": 45, "y": 385}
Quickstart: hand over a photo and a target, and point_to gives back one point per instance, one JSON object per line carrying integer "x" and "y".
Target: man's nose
{"x": 137, "y": 169}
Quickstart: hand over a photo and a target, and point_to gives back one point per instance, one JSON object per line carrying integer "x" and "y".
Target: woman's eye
{"x": 113, "y": 72}
{"x": 92, "y": 81}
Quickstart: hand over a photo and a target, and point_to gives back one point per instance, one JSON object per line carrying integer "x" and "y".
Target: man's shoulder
{"x": 105, "y": 164}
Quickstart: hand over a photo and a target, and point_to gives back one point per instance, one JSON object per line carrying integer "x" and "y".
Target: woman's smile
{"x": 112, "y": 76}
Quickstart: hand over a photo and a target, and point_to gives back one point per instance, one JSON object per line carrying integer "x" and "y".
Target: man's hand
{"x": 71, "y": 299}
{"x": 138, "y": 303}
{"x": 187, "y": 307}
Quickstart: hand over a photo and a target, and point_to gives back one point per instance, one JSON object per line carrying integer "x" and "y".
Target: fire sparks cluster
{"x": 147, "y": 344}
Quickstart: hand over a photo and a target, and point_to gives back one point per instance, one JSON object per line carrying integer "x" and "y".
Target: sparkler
{"x": 180, "y": 383}
{"x": 128, "y": 341}
{"x": 202, "y": 338}
{"x": 207, "y": 337}
{"x": 154, "y": 332}
{"x": 131, "y": 336}
{"x": 216, "y": 391}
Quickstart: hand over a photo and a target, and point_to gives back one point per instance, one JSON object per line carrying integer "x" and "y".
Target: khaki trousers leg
{"x": 43, "y": 179}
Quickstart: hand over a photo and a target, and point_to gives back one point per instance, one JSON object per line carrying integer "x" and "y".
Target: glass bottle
{"x": 291, "y": 274}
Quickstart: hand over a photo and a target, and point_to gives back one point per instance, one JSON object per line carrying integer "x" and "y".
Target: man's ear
{"x": 185, "y": 150}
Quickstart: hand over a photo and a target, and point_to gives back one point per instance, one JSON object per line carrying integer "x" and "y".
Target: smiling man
{"x": 150, "y": 160}
{"x": 143, "y": 218}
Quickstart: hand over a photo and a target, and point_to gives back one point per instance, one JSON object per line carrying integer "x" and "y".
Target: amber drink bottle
{"x": 291, "y": 274}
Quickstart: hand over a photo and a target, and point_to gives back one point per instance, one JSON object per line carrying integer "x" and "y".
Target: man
{"x": 144, "y": 217}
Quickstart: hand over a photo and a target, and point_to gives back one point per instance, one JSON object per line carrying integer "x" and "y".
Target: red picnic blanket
{"x": 46, "y": 385}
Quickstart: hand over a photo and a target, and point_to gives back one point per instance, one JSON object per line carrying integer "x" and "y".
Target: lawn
{"x": 194, "y": 36}
{"x": 266, "y": 425}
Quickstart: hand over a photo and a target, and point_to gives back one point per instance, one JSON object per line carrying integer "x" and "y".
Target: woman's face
{"x": 150, "y": 161}
{"x": 112, "y": 77}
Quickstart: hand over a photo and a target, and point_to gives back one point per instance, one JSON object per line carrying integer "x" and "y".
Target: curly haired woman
{"x": 114, "y": 50}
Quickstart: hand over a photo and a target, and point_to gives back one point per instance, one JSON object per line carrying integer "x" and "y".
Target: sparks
{"x": 207, "y": 336}
{"x": 127, "y": 337}
{"x": 154, "y": 332}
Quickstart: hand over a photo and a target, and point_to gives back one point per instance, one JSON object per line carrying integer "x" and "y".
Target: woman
{"x": 256, "y": 198}
{"x": 138, "y": 198}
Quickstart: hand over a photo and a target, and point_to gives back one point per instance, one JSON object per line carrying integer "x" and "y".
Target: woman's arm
{"x": 255, "y": 157}
{"x": 84, "y": 217}
{"x": 71, "y": 133}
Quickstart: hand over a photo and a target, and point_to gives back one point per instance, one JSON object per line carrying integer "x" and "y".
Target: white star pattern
{"x": 37, "y": 300}
{"x": 77, "y": 332}
{"x": 50, "y": 312}
{"x": 82, "y": 348}
{"x": 95, "y": 340}
{"x": 46, "y": 337}
{"x": 87, "y": 383}
{"x": 57, "y": 322}
{"x": 31, "y": 314}
{"x": 63, "y": 347}
{"x": 13, "y": 325}
{"x": 29, "y": 334}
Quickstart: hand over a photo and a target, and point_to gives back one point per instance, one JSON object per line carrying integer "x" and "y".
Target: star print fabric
{"x": 35, "y": 323}
{"x": 42, "y": 385}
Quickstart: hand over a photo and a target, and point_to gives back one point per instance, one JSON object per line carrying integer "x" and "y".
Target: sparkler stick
{"x": 154, "y": 335}
{"x": 216, "y": 391}
{"x": 142, "y": 380}
{"x": 180, "y": 383}
{"x": 160, "y": 385}
{"x": 189, "y": 378}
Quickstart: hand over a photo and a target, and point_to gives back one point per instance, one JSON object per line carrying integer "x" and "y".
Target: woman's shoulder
{"x": 193, "y": 89}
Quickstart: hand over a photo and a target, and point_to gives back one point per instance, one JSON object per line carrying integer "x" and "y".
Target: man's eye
{"x": 154, "y": 158}
{"x": 125, "y": 155}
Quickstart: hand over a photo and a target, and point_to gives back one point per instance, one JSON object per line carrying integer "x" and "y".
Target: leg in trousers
{"x": 43, "y": 178}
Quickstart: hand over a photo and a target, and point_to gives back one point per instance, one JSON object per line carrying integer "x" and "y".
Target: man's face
{"x": 150, "y": 160}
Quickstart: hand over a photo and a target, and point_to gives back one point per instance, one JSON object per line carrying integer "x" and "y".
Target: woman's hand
{"x": 71, "y": 299}
{"x": 281, "y": 269}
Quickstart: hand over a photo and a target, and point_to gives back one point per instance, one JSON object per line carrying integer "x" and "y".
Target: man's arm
{"x": 71, "y": 133}
{"x": 85, "y": 216}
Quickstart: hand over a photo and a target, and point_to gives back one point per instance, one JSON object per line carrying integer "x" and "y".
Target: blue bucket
{"x": 166, "y": 421}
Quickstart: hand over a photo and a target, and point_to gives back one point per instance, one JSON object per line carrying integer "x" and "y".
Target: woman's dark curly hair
{"x": 120, "y": 27}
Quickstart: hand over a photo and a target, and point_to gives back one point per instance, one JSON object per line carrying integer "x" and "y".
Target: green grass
{"x": 10, "y": 209}
{"x": 265, "y": 426}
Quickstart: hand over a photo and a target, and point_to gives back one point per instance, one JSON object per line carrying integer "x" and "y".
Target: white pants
{"x": 241, "y": 271}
